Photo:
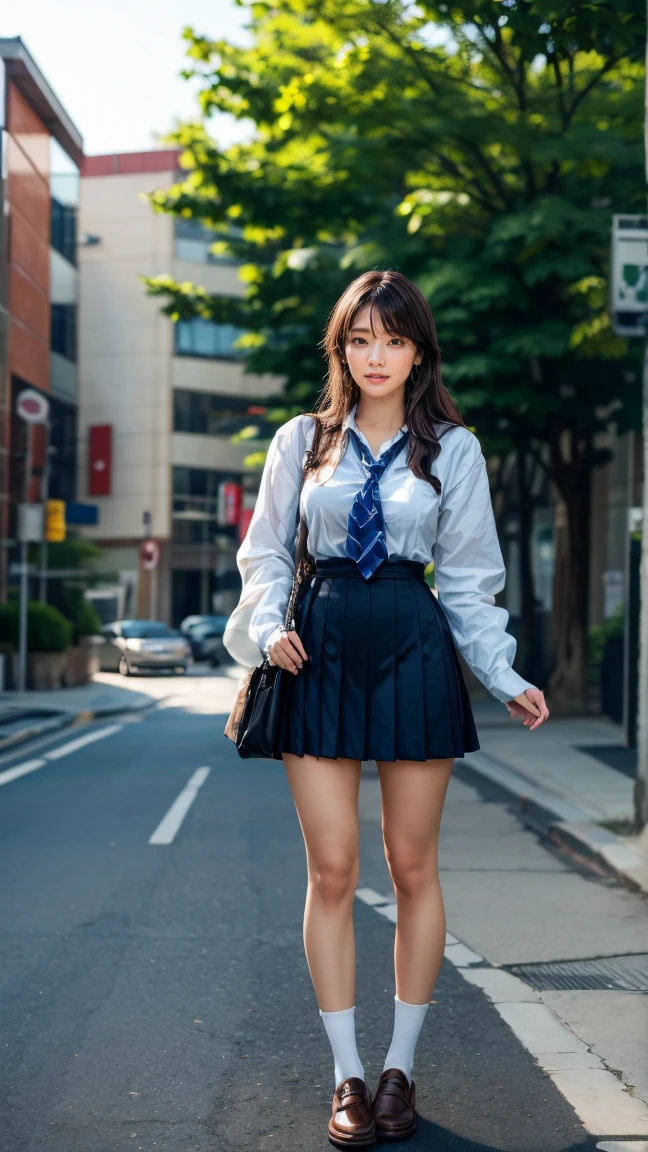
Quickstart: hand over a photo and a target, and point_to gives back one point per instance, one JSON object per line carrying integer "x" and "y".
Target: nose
{"x": 376, "y": 355}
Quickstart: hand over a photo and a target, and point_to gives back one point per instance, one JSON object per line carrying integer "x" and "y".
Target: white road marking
{"x": 370, "y": 897}
{"x": 462, "y": 956}
{"x": 20, "y": 770}
{"x": 600, "y": 1100}
{"x": 170, "y": 824}
{"x": 81, "y": 741}
{"x": 626, "y": 1146}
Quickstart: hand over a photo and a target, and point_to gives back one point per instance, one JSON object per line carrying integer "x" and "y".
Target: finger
{"x": 290, "y": 654}
{"x": 296, "y": 642}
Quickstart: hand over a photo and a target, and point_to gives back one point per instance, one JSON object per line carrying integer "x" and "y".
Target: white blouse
{"x": 456, "y": 530}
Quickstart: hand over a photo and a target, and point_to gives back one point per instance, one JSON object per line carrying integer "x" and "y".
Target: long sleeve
{"x": 469, "y": 571}
{"x": 265, "y": 558}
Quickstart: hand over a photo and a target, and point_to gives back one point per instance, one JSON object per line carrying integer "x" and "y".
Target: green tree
{"x": 479, "y": 147}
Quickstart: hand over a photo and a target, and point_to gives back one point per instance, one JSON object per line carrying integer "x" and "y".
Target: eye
{"x": 358, "y": 339}
{"x": 396, "y": 340}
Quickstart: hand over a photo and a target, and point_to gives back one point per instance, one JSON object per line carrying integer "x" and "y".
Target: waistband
{"x": 390, "y": 569}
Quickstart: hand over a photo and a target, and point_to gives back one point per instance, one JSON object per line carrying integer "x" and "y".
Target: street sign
{"x": 149, "y": 555}
{"x": 55, "y": 521}
{"x": 30, "y": 523}
{"x": 32, "y": 407}
{"x": 629, "y": 280}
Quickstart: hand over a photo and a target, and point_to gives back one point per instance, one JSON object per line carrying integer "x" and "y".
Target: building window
{"x": 63, "y": 338}
{"x": 207, "y": 414}
{"x": 199, "y": 337}
{"x": 64, "y": 196}
{"x": 63, "y": 229}
{"x": 193, "y": 242}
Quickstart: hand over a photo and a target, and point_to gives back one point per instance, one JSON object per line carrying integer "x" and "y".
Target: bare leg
{"x": 413, "y": 794}
{"x": 326, "y": 798}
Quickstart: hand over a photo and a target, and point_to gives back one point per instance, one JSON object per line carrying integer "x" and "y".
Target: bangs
{"x": 393, "y": 310}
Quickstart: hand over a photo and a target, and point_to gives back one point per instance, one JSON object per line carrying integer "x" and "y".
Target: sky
{"x": 114, "y": 66}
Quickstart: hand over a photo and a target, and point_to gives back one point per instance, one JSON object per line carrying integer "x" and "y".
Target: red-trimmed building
{"x": 39, "y": 190}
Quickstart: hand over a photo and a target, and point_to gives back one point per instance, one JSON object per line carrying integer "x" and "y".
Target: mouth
{"x": 375, "y": 376}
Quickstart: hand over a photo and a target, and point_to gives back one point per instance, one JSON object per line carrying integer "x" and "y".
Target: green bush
{"x": 86, "y": 622}
{"x": 599, "y": 633}
{"x": 47, "y": 628}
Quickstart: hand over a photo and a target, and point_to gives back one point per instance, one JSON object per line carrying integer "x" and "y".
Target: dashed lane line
{"x": 28, "y": 766}
{"x": 81, "y": 741}
{"x": 20, "y": 770}
{"x": 170, "y": 824}
{"x": 600, "y": 1100}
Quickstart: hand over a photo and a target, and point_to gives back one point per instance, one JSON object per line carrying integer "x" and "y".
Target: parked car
{"x": 205, "y": 634}
{"x": 143, "y": 645}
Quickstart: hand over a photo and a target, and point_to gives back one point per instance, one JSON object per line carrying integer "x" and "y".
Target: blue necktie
{"x": 365, "y": 542}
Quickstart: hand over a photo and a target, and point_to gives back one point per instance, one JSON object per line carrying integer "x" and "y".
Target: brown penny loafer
{"x": 393, "y": 1106}
{"x": 352, "y": 1124}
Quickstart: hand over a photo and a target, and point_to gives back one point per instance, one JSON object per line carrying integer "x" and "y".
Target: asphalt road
{"x": 155, "y": 996}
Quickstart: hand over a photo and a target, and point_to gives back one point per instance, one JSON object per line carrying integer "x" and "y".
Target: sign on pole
{"x": 32, "y": 407}
{"x": 149, "y": 555}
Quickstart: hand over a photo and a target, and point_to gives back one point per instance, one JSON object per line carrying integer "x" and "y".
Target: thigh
{"x": 326, "y": 793}
{"x": 413, "y": 794}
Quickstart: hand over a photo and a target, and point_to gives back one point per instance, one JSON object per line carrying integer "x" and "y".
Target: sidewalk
{"x": 561, "y": 780}
{"x": 26, "y": 715}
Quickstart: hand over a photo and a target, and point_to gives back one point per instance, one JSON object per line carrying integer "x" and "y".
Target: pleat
{"x": 355, "y": 657}
{"x": 296, "y": 703}
{"x": 380, "y": 735}
{"x": 330, "y": 683}
{"x": 411, "y": 711}
{"x": 453, "y": 703}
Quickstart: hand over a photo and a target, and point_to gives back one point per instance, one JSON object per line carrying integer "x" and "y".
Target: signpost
{"x": 33, "y": 409}
{"x": 149, "y": 560}
{"x": 629, "y": 309}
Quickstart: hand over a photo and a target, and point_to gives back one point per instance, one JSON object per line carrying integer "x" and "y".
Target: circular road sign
{"x": 32, "y": 407}
{"x": 149, "y": 554}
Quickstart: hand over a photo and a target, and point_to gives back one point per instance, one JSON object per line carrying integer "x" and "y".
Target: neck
{"x": 381, "y": 413}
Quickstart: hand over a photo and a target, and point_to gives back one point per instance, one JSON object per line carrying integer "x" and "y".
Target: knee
{"x": 334, "y": 880}
{"x": 411, "y": 872}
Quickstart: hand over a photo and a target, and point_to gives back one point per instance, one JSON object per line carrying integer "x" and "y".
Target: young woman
{"x": 393, "y": 480}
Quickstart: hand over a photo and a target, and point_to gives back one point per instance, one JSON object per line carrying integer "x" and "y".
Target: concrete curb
{"x": 550, "y": 815}
{"x": 57, "y": 721}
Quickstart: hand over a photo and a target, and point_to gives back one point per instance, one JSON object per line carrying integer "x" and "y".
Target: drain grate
{"x": 618, "y": 973}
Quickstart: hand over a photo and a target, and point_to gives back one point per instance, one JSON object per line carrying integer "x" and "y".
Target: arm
{"x": 469, "y": 571}
{"x": 265, "y": 558}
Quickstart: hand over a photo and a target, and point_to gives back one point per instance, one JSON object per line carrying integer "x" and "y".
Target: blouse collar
{"x": 350, "y": 421}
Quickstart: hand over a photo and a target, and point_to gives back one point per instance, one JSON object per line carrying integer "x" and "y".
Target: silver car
{"x": 143, "y": 646}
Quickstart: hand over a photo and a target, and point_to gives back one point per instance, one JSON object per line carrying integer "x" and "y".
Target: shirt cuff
{"x": 508, "y": 684}
{"x": 271, "y": 636}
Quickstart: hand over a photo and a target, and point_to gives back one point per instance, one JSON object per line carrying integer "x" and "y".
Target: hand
{"x": 531, "y": 719}
{"x": 288, "y": 652}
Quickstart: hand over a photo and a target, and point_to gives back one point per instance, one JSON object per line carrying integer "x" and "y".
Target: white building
{"x": 158, "y": 402}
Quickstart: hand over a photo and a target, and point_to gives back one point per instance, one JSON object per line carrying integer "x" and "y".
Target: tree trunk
{"x": 568, "y": 681}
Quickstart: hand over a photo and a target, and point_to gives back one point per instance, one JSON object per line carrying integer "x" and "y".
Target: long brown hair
{"x": 403, "y": 311}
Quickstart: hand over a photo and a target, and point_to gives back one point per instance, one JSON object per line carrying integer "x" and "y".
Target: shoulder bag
{"x": 256, "y": 723}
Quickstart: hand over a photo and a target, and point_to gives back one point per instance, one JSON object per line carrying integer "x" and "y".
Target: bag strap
{"x": 304, "y": 562}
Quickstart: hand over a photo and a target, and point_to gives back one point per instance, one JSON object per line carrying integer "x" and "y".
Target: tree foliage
{"x": 479, "y": 147}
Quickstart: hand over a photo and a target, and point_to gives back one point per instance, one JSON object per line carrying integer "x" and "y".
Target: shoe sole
{"x": 383, "y": 1135}
{"x": 351, "y": 1143}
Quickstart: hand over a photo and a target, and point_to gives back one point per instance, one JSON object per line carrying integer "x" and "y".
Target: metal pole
{"x": 42, "y": 595}
{"x": 24, "y": 580}
{"x": 641, "y": 783}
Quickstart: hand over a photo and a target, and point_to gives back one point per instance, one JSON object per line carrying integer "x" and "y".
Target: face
{"x": 379, "y": 362}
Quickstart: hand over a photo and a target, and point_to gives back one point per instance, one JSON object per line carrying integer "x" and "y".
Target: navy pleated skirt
{"x": 383, "y": 681}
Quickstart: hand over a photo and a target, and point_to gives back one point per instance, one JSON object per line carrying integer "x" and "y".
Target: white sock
{"x": 408, "y": 1019}
{"x": 340, "y": 1029}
